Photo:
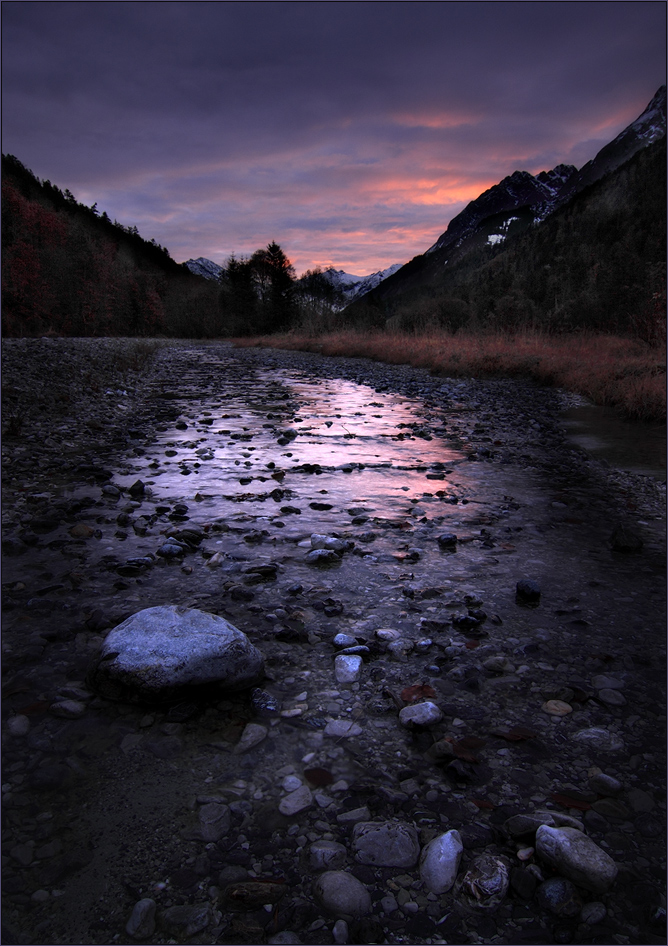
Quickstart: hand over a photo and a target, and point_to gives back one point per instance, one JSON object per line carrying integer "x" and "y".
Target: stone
{"x": 612, "y": 697}
{"x": 284, "y": 938}
{"x": 420, "y": 714}
{"x": 327, "y": 855}
{"x": 81, "y": 531}
{"x": 328, "y": 542}
{"x": 559, "y": 896}
{"x": 344, "y": 640}
{"x": 439, "y": 862}
{"x": 605, "y": 784}
{"x": 485, "y": 884}
{"x": 342, "y": 894}
{"x": 68, "y": 709}
{"x": 296, "y": 801}
{"x": 604, "y": 681}
{"x": 386, "y": 844}
{"x": 599, "y": 738}
{"x": 557, "y": 708}
{"x": 594, "y": 912}
{"x": 253, "y": 734}
{"x": 528, "y": 590}
{"x": 340, "y": 932}
{"x": 525, "y": 825}
{"x": 18, "y": 725}
{"x": 159, "y": 651}
{"x": 347, "y": 668}
{"x": 214, "y": 820}
{"x": 577, "y": 857}
{"x": 400, "y": 649}
{"x": 447, "y": 540}
{"x": 640, "y": 800}
{"x": 322, "y": 557}
{"x": 354, "y": 816}
{"x": 184, "y": 921}
{"x": 141, "y": 924}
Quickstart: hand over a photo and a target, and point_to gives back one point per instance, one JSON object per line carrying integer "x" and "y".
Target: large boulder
{"x": 161, "y": 651}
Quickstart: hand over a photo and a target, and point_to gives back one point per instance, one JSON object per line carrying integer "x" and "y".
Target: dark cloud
{"x": 217, "y": 126}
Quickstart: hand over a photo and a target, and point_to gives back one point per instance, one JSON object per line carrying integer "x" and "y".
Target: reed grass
{"x": 608, "y": 370}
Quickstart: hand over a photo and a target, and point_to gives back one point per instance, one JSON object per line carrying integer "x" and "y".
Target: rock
{"x": 640, "y": 800}
{"x": 612, "y": 697}
{"x": 291, "y": 783}
{"x": 523, "y": 882}
{"x": 296, "y": 801}
{"x": 68, "y": 709}
{"x": 400, "y": 649}
{"x": 158, "y": 651}
{"x": 577, "y": 857}
{"x": 557, "y": 708}
{"x": 342, "y": 894}
{"x": 252, "y": 735}
{"x": 340, "y": 932}
{"x": 559, "y": 896}
{"x": 485, "y": 884}
{"x": 592, "y": 913}
{"x": 603, "y": 681}
{"x": 354, "y": 816}
{"x": 528, "y": 590}
{"x": 18, "y": 725}
{"x": 184, "y": 921}
{"x": 284, "y": 938}
{"x": 171, "y": 550}
{"x": 625, "y": 539}
{"x": 214, "y": 820}
{"x": 605, "y": 784}
{"x": 347, "y": 668}
{"x": 81, "y": 531}
{"x": 344, "y": 640}
{"x": 327, "y": 855}
{"x": 439, "y": 862}
{"x": 611, "y": 808}
{"x": 599, "y": 738}
{"x": 421, "y": 714}
{"x": 251, "y": 895}
{"x": 141, "y": 924}
{"x": 447, "y": 540}
{"x": 386, "y": 844}
{"x": 322, "y": 557}
{"x": 328, "y": 542}
{"x": 525, "y": 825}
{"x": 264, "y": 703}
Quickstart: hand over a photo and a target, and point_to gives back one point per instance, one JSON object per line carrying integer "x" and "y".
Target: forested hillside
{"x": 70, "y": 270}
{"x": 598, "y": 263}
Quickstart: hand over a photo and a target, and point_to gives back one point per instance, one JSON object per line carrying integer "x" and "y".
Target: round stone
{"x": 141, "y": 924}
{"x": 18, "y": 725}
{"x": 577, "y": 857}
{"x": 439, "y": 862}
{"x": 528, "y": 590}
{"x": 342, "y": 894}
{"x": 296, "y": 801}
{"x": 594, "y": 912}
{"x": 421, "y": 714}
{"x": 559, "y": 896}
{"x": 605, "y": 784}
{"x": 612, "y": 697}
{"x": 557, "y": 708}
{"x": 327, "y": 855}
{"x": 386, "y": 843}
{"x": 347, "y": 668}
{"x": 599, "y": 738}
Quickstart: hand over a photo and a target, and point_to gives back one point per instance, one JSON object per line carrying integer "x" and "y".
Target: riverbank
{"x": 609, "y": 371}
{"x": 244, "y": 454}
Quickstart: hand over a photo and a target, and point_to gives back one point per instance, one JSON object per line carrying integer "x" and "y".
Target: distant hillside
{"x": 564, "y": 250}
{"x": 69, "y": 269}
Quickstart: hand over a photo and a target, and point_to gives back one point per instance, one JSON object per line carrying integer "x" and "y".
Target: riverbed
{"x": 252, "y": 452}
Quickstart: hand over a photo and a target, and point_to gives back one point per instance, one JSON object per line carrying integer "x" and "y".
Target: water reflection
{"x": 625, "y": 445}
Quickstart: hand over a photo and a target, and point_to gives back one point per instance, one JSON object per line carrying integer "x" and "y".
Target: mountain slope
{"x": 354, "y": 287}
{"x": 204, "y": 267}
{"x": 522, "y": 199}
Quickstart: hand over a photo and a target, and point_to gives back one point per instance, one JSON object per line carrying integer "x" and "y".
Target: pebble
{"x": 599, "y": 738}
{"x": 296, "y": 801}
{"x": 593, "y": 913}
{"x": 340, "y": 932}
{"x": 420, "y": 714}
{"x": 347, "y": 668}
{"x": 215, "y": 820}
{"x": 386, "y": 844}
{"x": 252, "y": 735}
{"x": 484, "y": 886}
{"x": 640, "y": 800}
{"x": 185, "y": 921}
{"x": 68, "y": 709}
{"x": 577, "y": 857}
{"x": 612, "y": 697}
{"x": 605, "y": 784}
{"x": 342, "y": 894}
{"x": 342, "y": 728}
{"x": 439, "y": 861}
{"x": 327, "y": 855}
{"x": 141, "y": 924}
{"x": 18, "y": 725}
{"x": 559, "y": 896}
{"x": 557, "y": 708}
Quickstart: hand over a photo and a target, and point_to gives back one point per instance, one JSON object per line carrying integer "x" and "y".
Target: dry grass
{"x": 619, "y": 372}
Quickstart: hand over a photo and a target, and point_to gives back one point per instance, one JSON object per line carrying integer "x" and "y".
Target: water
{"x": 625, "y": 445}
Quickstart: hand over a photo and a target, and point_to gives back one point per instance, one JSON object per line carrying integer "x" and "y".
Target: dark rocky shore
{"x": 304, "y": 811}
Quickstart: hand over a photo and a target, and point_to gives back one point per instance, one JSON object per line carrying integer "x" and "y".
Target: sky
{"x": 351, "y": 133}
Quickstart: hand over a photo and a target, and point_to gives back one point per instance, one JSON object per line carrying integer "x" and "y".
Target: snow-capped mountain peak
{"x": 204, "y": 267}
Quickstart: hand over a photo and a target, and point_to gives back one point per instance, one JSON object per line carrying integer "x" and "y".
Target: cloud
{"x": 347, "y": 132}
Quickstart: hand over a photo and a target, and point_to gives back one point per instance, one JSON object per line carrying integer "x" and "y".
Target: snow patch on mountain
{"x": 353, "y": 287}
{"x": 204, "y": 267}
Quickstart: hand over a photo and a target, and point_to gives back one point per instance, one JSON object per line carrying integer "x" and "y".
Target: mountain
{"x": 522, "y": 200}
{"x": 354, "y": 287}
{"x": 204, "y": 267}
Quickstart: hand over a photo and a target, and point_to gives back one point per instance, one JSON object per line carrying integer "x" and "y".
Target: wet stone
{"x": 141, "y": 924}
{"x": 342, "y": 894}
{"x": 577, "y": 857}
{"x": 386, "y": 844}
{"x": 327, "y": 855}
